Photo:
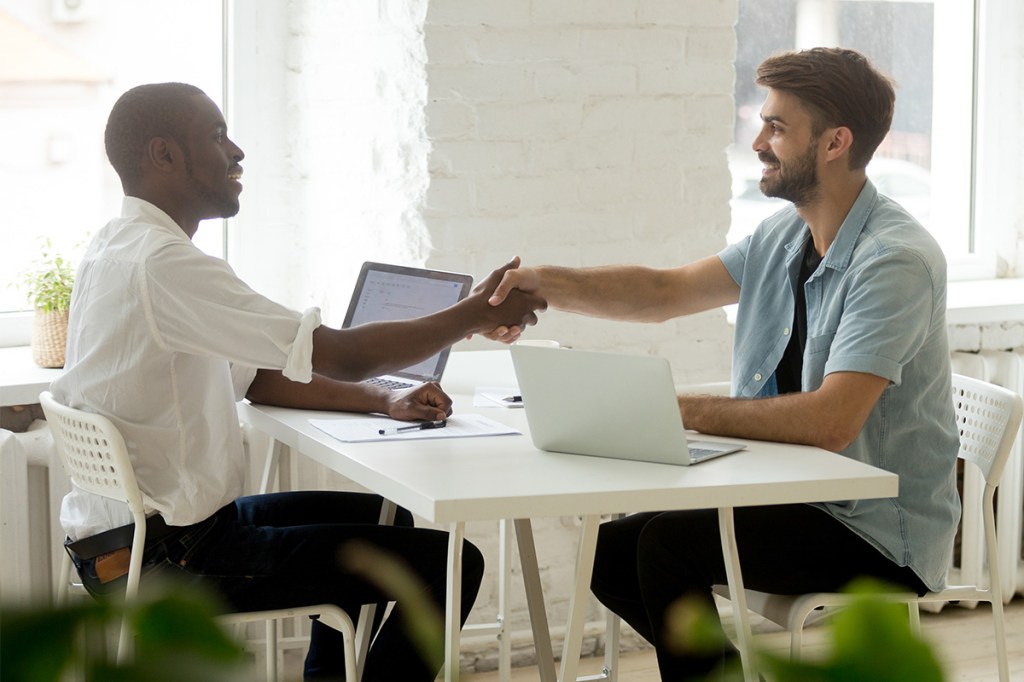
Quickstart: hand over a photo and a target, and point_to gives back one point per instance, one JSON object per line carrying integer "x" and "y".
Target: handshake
{"x": 507, "y": 302}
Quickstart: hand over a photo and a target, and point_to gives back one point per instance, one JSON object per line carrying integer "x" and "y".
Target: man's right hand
{"x": 510, "y": 303}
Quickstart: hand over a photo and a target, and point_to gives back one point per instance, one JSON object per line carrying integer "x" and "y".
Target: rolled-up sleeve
{"x": 196, "y": 304}
{"x": 887, "y": 312}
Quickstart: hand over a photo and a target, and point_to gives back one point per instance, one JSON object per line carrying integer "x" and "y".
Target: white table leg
{"x": 453, "y": 608}
{"x": 578, "y": 604}
{"x": 277, "y": 455}
{"x": 535, "y": 600}
{"x": 727, "y": 529}
{"x": 504, "y": 596}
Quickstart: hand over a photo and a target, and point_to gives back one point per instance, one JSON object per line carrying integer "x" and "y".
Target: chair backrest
{"x": 93, "y": 453}
{"x": 988, "y": 418}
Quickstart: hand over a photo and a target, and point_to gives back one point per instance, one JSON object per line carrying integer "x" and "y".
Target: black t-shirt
{"x": 788, "y": 373}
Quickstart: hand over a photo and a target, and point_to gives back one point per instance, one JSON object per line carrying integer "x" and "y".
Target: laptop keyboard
{"x": 389, "y": 384}
{"x": 700, "y": 454}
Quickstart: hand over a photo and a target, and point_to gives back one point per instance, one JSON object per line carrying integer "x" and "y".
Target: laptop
{"x": 606, "y": 405}
{"x": 385, "y": 292}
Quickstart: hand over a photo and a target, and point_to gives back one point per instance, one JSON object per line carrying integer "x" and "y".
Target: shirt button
{"x": 757, "y": 377}
{"x": 785, "y": 332}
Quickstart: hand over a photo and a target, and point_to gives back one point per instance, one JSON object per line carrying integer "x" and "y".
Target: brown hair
{"x": 139, "y": 115}
{"x": 839, "y": 87}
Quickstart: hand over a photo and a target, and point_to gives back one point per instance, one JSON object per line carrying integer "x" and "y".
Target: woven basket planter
{"x": 49, "y": 337}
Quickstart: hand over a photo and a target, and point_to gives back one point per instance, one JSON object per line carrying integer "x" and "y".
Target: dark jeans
{"x": 282, "y": 550}
{"x": 646, "y": 562}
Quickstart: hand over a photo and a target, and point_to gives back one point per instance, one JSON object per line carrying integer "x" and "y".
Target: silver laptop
{"x": 386, "y": 292}
{"x": 606, "y": 404}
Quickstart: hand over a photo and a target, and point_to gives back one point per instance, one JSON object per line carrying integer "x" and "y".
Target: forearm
{"x": 270, "y": 387}
{"x": 379, "y": 348}
{"x": 791, "y": 418}
{"x": 637, "y": 293}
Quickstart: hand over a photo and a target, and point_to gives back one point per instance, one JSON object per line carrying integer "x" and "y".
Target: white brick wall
{"x": 583, "y": 133}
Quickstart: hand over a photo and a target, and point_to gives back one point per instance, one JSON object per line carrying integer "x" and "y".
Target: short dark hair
{"x": 839, "y": 87}
{"x": 139, "y": 115}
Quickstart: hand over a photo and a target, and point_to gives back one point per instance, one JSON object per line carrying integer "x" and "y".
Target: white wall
{"x": 584, "y": 133}
{"x": 336, "y": 150}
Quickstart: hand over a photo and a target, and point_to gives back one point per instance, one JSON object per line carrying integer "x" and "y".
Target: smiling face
{"x": 212, "y": 162}
{"x": 788, "y": 148}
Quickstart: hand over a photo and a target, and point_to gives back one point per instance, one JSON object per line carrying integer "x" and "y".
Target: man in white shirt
{"x": 163, "y": 340}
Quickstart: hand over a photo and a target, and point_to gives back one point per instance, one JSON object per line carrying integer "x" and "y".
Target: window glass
{"x": 63, "y": 63}
{"x": 927, "y": 153}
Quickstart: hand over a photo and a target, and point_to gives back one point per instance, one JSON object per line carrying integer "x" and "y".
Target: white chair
{"x": 989, "y": 419}
{"x": 95, "y": 459}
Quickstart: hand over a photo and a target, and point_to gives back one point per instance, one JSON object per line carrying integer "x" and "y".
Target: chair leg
{"x": 271, "y": 653}
{"x": 613, "y": 628}
{"x": 1000, "y": 628}
{"x": 63, "y": 582}
{"x": 342, "y": 623}
{"x": 796, "y": 637}
{"x": 915, "y": 617}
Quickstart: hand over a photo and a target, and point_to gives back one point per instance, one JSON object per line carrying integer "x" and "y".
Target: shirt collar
{"x": 839, "y": 254}
{"x": 132, "y": 207}
{"x": 841, "y": 251}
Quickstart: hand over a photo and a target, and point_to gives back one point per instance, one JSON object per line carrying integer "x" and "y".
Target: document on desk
{"x": 369, "y": 429}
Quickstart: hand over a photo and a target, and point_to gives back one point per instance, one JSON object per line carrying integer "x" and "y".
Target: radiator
{"x": 1006, "y": 369}
{"x": 32, "y": 485}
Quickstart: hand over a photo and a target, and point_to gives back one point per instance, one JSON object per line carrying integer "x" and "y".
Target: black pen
{"x": 439, "y": 424}
{"x": 513, "y": 399}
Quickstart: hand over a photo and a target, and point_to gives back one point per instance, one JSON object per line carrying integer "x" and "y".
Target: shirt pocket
{"x": 816, "y": 355}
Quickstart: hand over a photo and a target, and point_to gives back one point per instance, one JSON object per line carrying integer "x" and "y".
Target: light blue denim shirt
{"x": 876, "y": 304}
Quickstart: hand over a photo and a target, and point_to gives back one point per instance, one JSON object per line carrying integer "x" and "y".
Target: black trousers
{"x": 656, "y": 569}
{"x": 287, "y": 549}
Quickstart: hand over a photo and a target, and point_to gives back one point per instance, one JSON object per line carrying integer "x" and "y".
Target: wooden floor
{"x": 963, "y": 639}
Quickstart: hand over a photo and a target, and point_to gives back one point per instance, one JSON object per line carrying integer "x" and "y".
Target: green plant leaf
{"x": 49, "y": 281}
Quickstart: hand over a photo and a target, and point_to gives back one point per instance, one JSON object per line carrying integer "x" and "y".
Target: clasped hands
{"x": 514, "y": 290}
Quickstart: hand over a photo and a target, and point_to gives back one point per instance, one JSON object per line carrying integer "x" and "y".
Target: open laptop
{"x": 606, "y": 404}
{"x": 386, "y": 292}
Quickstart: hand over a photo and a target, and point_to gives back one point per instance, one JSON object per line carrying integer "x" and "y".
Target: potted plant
{"x": 48, "y": 285}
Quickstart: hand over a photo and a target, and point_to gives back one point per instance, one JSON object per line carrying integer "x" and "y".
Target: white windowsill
{"x": 21, "y": 379}
{"x": 985, "y": 301}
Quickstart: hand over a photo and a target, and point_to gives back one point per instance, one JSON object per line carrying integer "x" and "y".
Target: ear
{"x": 838, "y": 142}
{"x": 163, "y": 154}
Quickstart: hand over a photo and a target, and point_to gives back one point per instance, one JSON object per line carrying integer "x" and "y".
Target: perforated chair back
{"x": 95, "y": 459}
{"x": 988, "y": 417}
{"x": 93, "y": 454}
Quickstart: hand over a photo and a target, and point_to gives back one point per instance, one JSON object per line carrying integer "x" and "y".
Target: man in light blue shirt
{"x": 840, "y": 343}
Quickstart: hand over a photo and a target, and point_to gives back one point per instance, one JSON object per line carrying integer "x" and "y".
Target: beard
{"x": 226, "y": 205}
{"x": 223, "y": 200}
{"x": 795, "y": 181}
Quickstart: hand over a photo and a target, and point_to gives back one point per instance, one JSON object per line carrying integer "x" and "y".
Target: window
{"x": 62, "y": 66}
{"x": 927, "y": 161}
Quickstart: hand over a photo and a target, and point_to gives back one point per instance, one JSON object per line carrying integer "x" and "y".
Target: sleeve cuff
{"x": 300, "y": 359}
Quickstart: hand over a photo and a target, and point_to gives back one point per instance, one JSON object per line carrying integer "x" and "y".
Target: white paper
{"x": 494, "y": 396}
{"x": 365, "y": 430}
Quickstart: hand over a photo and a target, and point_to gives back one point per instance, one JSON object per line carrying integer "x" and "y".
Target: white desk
{"x": 21, "y": 379}
{"x": 451, "y": 481}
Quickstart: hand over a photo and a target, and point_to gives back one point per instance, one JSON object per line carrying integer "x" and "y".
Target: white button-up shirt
{"x": 163, "y": 340}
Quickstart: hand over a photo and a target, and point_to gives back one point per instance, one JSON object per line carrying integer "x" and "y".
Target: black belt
{"x": 119, "y": 538}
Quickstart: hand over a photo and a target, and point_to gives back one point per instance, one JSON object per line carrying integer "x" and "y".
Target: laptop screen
{"x": 386, "y": 292}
